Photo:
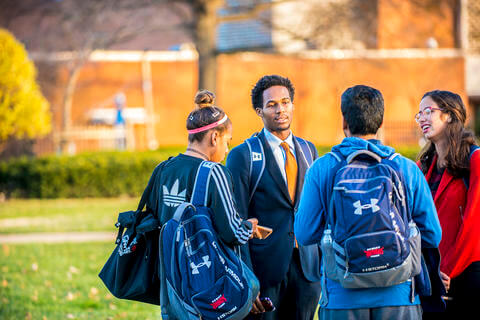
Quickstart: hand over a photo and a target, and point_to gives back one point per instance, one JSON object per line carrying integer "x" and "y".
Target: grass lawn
{"x": 62, "y": 215}
{"x": 60, "y": 281}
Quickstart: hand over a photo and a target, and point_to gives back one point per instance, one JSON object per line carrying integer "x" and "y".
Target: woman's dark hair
{"x": 205, "y": 113}
{"x": 266, "y": 82}
{"x": 459, "y": 139}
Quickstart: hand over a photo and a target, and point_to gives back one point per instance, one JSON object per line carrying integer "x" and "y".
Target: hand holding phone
{"x": 267, "y": 304}
{"x": 263, "y": 232}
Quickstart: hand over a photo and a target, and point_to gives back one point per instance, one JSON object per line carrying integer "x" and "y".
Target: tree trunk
{"x": 67, "y": 107}
{"x": 205, "y": 42}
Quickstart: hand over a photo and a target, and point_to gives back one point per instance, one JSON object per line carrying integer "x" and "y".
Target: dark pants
{"x": 295, "y": 298}
{"x": 463, "y": 296}
{"x": 383, "y": 313}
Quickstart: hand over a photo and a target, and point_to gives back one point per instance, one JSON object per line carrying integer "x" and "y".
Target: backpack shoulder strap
{"x": 336, "y": 156}
{"x": 305, "y": 150}
{"x": 402, "y": 192}
{"x": 341, "y": 161}
{"x": 473, "y": 149}
{"x": 257, "y": 163}
{"x": 199, "y": 193}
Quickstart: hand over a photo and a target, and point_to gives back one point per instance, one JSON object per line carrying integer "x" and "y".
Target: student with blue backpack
{"x": 371, "y": 212}
{"x": 174, "y": 185}
{"x": 451, "y": 163}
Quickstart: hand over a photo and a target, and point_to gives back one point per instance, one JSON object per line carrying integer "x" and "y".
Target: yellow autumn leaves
{"x": 24, "y": 112}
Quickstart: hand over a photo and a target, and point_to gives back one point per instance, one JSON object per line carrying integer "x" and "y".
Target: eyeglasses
{"x": 427, "y": 112}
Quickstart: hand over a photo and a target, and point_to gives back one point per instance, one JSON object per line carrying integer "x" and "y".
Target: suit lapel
{"x": 272, "y": 166}
{"x": 302, "y": 168}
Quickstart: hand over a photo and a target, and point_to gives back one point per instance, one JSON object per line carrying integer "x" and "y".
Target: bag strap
{"x": 257, "y": 162}
{"x": 306, "y": 151}
{"x": 164, "y": 301}
{"x": 199, "y": 193}
{"x": 143, "y": 201}
{"x": 340, "y": 162}
{"x": 466, "y": 179}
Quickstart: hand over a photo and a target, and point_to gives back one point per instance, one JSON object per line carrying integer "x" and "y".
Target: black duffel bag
{"x": 131, "y": 272}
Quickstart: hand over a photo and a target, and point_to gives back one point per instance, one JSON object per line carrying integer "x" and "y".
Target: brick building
{"x": 402, "y": 47}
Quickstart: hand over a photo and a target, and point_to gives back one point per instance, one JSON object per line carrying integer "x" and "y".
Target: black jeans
{"x": 464, "y": 295}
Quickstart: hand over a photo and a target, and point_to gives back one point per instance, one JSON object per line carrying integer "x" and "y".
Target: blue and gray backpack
{"x": 370, "y": 239}
{"x": 202, "y": 278}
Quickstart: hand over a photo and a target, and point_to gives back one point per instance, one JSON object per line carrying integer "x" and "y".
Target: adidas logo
{"x": 173, "y": 198}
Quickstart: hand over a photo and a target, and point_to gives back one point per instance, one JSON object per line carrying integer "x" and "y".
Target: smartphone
{"x": 267, "y": 304}
{"x": 263, "y": 232}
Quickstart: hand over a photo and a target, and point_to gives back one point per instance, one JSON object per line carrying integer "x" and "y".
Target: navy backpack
{"x": 202, "y": 278}
{"x": 370, "y": 239}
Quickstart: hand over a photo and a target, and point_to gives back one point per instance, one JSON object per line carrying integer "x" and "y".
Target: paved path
{"x": 57, "y": 237}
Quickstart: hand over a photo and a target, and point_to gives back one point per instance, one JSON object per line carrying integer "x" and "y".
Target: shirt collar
{"x": 275, "y": 141}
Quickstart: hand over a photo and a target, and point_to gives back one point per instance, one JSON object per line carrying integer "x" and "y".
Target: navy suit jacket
{"x": 271, "y": 205}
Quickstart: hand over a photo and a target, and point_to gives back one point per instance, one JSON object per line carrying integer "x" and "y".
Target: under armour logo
{"x": 256, "y": 156}
{"x": 372, "y": 205}
{"x": 206, "y": 262}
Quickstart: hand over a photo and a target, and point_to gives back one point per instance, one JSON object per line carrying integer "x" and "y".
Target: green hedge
{"x": 101, "y": 174}
{"x": 407, "y": 151}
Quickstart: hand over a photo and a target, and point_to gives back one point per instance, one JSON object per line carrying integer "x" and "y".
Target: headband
{"x": 209, "y": 126}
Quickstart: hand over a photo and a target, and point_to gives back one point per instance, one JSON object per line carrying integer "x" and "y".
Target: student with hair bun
{"x": 209, "y": 133}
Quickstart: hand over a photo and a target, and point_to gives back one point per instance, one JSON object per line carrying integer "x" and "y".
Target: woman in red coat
{"x": 452, "y": 169}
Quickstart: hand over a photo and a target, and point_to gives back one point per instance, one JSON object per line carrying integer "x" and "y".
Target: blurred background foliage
{"x": 99, "y": 174}
{"x": 24, "y": 111}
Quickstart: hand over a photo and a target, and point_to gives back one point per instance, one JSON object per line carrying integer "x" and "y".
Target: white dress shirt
{"x": 278, "y": 152}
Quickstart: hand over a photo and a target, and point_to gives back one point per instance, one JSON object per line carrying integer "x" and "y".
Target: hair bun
{"x": 204, "y": 98}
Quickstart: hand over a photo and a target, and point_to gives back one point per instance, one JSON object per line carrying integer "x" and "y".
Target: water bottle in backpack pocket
{"x": 374, "y": 241}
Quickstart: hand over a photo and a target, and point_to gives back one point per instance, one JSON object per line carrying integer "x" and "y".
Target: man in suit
{"x": 289, "y": 275}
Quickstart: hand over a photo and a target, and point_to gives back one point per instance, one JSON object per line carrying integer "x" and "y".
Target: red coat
{"x": 459, "y": 215}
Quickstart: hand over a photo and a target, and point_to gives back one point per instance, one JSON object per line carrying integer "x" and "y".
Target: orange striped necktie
{"x": 290, "y": 170}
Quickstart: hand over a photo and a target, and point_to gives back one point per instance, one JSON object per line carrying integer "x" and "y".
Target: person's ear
{"x": 259, "y": 112}
{"x": 214, "y": 138}
{"x": 346, "y": 131}
{"x": 447, "y": 117}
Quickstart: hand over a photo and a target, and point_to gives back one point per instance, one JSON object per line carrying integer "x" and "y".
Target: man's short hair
{"x": 266, "y": 82}
{"x": 362, "y": 108}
